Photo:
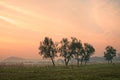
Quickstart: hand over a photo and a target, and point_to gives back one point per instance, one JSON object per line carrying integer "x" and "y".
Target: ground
{"x": 83, "y": 72}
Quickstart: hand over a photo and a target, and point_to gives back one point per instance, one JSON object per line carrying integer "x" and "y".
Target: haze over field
{"x": 23, "y": 23}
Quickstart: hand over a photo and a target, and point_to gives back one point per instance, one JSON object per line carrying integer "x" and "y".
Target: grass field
{"x": 84, "y": 72}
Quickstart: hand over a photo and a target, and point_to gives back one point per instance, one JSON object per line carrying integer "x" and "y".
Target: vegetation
{"x": 110, "y": 53}
{"x": 76, "y": 47}
{"x": 64, "y": 50}
{"x": 48, "y": 49}
{"x": 67, "y": 49}
{"x": 85, "y": 72}
{"x": 89, "y": 50}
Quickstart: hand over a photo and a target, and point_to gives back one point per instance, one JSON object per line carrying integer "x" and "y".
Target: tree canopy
{"x": 110, "y": 53}
{"x": 48, "y": 49}
{"x": 71, "y": 49}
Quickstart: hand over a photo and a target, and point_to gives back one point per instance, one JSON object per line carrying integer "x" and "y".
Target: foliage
{"x": 89, "y": 50}
{"x": 64, "y": 50}
{"x": 48, "y": 49}
{"x": 76, "y": 48}
{"x": 110, "y": 53}
{"x": 71, "y": 49}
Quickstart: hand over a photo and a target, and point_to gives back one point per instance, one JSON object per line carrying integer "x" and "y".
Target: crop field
{"x": 83, "y": 72}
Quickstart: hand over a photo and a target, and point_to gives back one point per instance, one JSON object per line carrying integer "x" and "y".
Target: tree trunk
{"x": 77, "y": 61}
{"x": 108, "y": 61}
{"x": 85, "y": 62}
{"x": 68, "y": 59}
{"x": 111, "y": 61}
{"x": 53, "y": 61}
{"x": 82, "y": 60}
{"x": 65, "y": 62}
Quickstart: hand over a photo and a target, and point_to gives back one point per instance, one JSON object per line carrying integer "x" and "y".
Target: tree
{"x": 48, "y": 49}
{"x": 88, "y": 51}
{"x": 65, "y": 50}
{"x": 76, "y": 47}
{"x": 110, "y": 53}
{"x": 82, "y": 54}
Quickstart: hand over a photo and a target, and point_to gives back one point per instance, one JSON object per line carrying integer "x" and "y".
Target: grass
{"x": 84, "y": 72}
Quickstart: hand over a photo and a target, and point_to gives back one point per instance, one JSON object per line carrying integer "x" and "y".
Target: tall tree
{"x": 110, "y": 53}
{"x": 48, "y": 49}
{"x": 76, "y": 48}
{"x": 65, "y": 50}
{"x": 89, "y": 50}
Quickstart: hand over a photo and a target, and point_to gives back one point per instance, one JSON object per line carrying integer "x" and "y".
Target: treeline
{"x": 73, "y": 48}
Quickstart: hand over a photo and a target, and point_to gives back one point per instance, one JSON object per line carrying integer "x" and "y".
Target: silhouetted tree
{"x": 110, "y": 53}
{"x": 76, "y": 47}
{"x": 88, "y": 51}
{"x": 65, "y": 50}
{"x": 48, "y": 49}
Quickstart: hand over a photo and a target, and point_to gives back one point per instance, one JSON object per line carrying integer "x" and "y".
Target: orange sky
{"x": 23, "y": 23}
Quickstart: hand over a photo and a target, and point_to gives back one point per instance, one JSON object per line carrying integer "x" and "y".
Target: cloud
{"x": 15, "y": 23}
{"x": 28, "y": 12}
{"x": 8, "y": 20}
{"x": 93, "y": 21}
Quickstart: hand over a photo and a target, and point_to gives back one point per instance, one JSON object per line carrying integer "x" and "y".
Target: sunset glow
{"x": 24, "y": 23}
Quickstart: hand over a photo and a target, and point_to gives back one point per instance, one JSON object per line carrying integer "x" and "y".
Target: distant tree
{"x": 110, "y": 53}
{"x": 48, "y": 49}
{"x": 76, "y": 48}
{"x": 88, "y": 51}
{"x": 64, "y": 50}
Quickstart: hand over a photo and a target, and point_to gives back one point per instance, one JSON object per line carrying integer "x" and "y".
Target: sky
{"x": 24, "y": 23}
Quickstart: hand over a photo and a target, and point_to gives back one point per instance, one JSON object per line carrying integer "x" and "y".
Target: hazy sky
{"x": 24, "y": 23}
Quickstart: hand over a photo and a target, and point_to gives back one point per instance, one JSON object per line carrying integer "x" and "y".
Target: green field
{"x": 84, "y": 72}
